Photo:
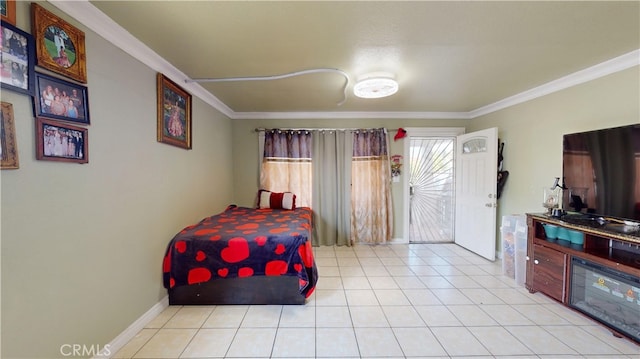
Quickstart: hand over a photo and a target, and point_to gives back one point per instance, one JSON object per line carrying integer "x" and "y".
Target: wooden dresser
{"x": 612, "y": 245}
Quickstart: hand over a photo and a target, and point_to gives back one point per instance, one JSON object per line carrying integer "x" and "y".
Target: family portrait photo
{"x": 60, "y": 142}
{"x": 16, "y": 57}
{"x": 59, "y": 46}
{"x": 62, "y": 100}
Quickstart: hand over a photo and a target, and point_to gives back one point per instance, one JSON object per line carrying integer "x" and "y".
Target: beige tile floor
{"x": 389, "y": 301}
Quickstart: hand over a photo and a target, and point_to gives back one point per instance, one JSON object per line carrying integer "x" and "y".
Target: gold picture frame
{"x": 8, "y": 145}
{"x": 174, "y": 113}
{"x": 8, "y": 11}
{"x": 59, "y": 45}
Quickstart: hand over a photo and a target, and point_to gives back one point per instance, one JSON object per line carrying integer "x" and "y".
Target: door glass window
{"x": 475, "y": 145}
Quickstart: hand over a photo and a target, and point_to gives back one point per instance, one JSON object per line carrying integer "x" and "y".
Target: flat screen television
{"x": 601, "y": 172}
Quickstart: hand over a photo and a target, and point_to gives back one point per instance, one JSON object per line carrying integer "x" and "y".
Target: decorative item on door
{"x": 396, "y": 165}
{"x": 502, "y": 175}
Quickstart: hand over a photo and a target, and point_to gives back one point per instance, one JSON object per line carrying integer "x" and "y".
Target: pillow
{"x": 276, "y": 200}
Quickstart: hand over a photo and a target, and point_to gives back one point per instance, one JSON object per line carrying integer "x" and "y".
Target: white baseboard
{"x": 123, "y": 338}
{"x": 399, "y": 241}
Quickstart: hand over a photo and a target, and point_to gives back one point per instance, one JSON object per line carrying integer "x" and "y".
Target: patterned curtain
{"x": 372, "y": 210}
{"x": 286, "y": 164}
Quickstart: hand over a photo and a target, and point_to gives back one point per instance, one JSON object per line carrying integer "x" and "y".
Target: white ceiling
{"x": 452, "y": 59}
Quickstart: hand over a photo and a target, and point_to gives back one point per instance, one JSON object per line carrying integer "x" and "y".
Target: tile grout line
{"x": 404, "y": 255}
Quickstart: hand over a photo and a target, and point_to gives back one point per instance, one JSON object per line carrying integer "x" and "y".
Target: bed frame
{"x": 247, "y": 290}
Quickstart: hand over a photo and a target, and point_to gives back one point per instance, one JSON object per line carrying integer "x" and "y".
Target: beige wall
{"x": 533, "y": 131}
{"x": 82, "y": 245}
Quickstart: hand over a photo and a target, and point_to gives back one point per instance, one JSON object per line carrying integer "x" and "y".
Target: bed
{"x": 243, "y": 256}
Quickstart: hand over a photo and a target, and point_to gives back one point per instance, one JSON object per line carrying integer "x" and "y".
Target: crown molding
{"x": 350, "y": 115}
{"x": 94, "y": 19}
{"x": 91, "y": 17}
{"x": 609, "y": 67}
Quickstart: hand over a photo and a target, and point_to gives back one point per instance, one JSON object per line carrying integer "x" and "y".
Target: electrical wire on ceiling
{"x": 282, "y": 76}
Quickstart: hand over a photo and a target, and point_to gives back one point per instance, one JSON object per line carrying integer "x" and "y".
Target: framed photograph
{"x": 16, "y": 71}
{"x": 8, "y": 146}
{"x": 174, "y": 113}
{"x": 58, "y": 141}
{"x": 61, "y": 100}
{"x": 8, "y": 11}
{"x": 59, "y": 45}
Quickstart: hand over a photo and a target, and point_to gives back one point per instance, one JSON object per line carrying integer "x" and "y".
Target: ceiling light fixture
{"x": 375, "y": 87}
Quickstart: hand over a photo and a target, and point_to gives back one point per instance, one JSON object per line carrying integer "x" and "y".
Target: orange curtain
{"x": 372, "y": 209}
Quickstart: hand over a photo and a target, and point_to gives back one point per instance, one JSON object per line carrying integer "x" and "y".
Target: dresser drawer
{"x": 549, "y": 272}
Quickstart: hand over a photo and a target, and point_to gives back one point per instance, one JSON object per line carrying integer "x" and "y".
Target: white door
{"x": 476, "y": 184}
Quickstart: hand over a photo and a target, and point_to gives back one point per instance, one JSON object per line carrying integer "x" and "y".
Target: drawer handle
{"x": 536, "y": 261}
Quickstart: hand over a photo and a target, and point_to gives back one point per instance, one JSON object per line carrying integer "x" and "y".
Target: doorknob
{"x": 490, "y": 205}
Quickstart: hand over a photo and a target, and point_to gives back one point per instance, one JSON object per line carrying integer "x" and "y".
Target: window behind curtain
{"x": 286, "y": 164}
{"x": 287, "y": 167}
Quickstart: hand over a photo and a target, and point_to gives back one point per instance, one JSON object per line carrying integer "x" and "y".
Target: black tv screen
{"x": 601, "y": 171}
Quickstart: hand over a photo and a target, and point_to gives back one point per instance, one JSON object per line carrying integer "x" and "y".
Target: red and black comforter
{"x": 243, "y": 242}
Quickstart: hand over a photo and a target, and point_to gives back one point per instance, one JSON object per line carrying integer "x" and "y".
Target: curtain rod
{"x": 260, "y": 129}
